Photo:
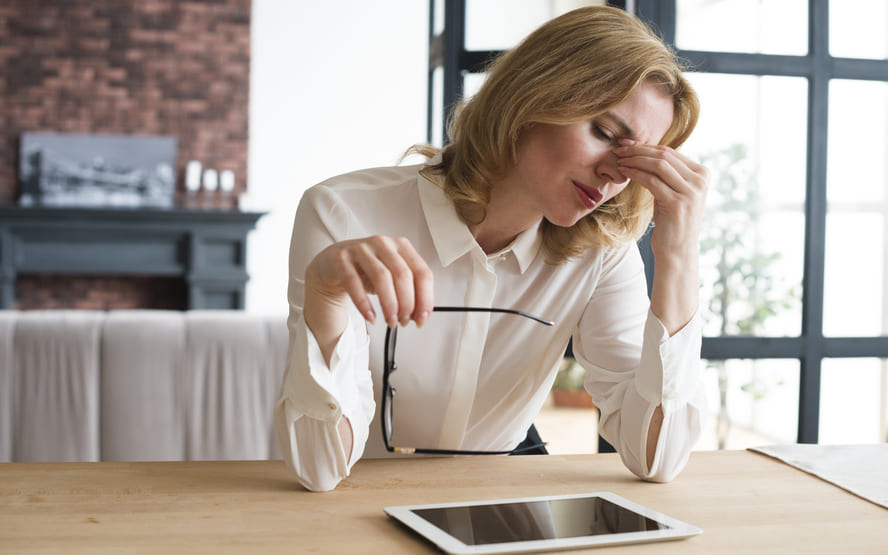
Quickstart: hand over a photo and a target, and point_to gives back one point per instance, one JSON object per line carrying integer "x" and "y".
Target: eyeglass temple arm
{"x": 482, "y": 309}
{"x": 418, "y": 450}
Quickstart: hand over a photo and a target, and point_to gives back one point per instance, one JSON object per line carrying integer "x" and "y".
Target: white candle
{"x": 210, "y": 179}
{"x": 226, "y": 181}
{"x": 192, "y": 176}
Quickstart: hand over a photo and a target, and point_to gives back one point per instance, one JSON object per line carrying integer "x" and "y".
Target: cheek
{"x": 536, "y": 159}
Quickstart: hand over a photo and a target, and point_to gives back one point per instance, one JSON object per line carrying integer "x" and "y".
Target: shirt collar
{"x": 452, "y": 237}
{"x": 527, "y": 245}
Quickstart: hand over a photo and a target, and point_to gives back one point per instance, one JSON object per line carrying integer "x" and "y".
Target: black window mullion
{"x": 746, "y": 63}
{"x": 851, "y": 68}
{"x": 815, "y": 223}
{"x": 454, "y": 47}
{"x": 661, "y": 15}
{"x": 851, "y": 347}
{"x": 436, "y": 59}
{"x": 726, "y": 347}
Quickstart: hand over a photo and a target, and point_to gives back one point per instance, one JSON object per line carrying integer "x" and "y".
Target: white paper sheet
{"x": 859, "y": 469}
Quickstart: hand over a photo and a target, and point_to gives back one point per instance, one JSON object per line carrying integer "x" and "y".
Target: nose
{"x": 608, "y": 170}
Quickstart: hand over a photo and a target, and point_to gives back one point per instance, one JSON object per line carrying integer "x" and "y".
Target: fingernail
{"x": 423, "y": 318}
{"x": 627, "y": 142}
{"x": 372, "y": 315}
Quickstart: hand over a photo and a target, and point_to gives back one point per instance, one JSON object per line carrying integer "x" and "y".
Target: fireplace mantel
{"x": 206, "y": 248}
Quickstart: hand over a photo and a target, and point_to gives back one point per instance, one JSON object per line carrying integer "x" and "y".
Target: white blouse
{"x": 476, "y": 381}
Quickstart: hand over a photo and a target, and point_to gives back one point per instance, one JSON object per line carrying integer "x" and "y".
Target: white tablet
{"x": 539, "y": 523}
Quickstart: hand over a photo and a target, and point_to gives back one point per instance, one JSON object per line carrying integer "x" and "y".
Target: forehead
{"x": 645, "y": 116}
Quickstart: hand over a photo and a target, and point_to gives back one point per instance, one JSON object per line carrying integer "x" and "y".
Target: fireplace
{"x": 99, "y": 292}
{"x": 109, "y": 71}
{"x": 176, "y": 259}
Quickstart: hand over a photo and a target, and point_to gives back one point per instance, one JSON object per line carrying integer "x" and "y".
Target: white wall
{"x": 335, "y": 85}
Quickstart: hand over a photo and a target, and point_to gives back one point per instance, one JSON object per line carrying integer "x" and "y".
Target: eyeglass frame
{"x": 386, "y": 412}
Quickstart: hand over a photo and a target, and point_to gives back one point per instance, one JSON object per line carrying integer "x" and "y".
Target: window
{"x": 795, "y": 250}
{"x": 797, "y": 90}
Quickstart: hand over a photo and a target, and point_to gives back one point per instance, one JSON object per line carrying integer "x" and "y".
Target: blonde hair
{"x": 571, "y": 69}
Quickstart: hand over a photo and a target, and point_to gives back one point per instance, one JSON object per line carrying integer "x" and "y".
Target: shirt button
{"x": 331, "y": 406}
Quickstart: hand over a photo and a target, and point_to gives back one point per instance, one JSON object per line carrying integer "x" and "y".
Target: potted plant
{"x": 568, "y": 390}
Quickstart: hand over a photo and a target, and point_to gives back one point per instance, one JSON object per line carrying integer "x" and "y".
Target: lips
{"x": 589, "y": 196}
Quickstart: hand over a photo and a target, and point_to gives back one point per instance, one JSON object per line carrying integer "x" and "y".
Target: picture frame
{"x": 90, "y": 170}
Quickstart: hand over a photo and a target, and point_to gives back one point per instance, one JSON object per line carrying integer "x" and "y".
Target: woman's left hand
{"x": 679, "y": 187}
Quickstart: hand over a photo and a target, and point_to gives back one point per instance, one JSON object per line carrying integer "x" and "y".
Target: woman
{"x": 554, "y": 170}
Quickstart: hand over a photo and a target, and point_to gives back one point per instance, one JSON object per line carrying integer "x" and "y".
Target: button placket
{"x": 468, "y": 358}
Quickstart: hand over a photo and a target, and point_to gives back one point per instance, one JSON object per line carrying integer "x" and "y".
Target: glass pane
{"x": 502, "y": 24}
{"x": 753, "y": 26}
{"x": 752, "y": 137}
{"x": 853, "y": 298}
{"x": 751, "y": 403}
{"x": 859, "y": 29}
{"x": 472, "y": 82}
{"x": 857, "y": 179}
{"x": 438, "y": 16}
{"x": 853, "y": 401}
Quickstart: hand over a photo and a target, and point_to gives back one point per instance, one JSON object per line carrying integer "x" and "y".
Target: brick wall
{"x": 154, "y": 67}
{"x": 159, "y": 67}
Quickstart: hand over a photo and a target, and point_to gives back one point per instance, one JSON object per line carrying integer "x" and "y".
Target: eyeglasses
{"x": 388, "y": 392}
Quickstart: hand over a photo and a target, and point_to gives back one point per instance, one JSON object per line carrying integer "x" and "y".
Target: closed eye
{"x": 602, "y": 133}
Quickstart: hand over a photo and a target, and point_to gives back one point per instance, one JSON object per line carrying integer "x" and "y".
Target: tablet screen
{"x": 537, "y": 520}
{"x": 539, "y": 523}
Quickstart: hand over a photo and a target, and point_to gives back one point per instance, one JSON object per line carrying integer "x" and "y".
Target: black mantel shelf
{"x": 207, "y": 248}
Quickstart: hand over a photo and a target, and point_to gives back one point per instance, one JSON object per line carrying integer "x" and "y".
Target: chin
{"x": 566, "y": 220}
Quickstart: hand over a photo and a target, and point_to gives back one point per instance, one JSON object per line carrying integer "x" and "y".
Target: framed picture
{"x": 63, "y": 169}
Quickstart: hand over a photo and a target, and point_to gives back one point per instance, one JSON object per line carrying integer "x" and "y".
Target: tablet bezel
{"x": 450, "y": 544}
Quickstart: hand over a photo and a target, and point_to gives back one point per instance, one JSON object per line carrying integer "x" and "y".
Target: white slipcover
{"x": 139, "y": 385}
{"x": 56, "y": 386}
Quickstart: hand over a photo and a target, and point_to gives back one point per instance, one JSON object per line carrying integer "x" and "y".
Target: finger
{"x": 358, "y": 284}
{"x": 373, "y": 257}
{"x": 636, "y": 154}
{"x": 658, "y": 188}
{"x": 655, "y": 174}
{"x": 692, "y": 165}
{"x": 393, "y": 254}
{"x": 669, "y": 170}
{"x": 423, "y": 284}
{"x": 338, "y": 270}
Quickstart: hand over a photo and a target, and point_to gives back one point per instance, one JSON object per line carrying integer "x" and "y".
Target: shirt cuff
{"x": 670, "y": 366}
{"x": 325, "y": 390}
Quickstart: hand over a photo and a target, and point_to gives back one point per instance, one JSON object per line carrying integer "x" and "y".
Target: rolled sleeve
{"x": 669, "y": 373}
{"x": 315, "y": 396}
{"x": 668, "y": 376}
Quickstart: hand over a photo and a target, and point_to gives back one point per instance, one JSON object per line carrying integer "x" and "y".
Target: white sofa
{"x": 79, "y": 385}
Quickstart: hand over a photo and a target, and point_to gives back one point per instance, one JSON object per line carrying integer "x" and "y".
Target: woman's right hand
{"x": 387, "y": 267}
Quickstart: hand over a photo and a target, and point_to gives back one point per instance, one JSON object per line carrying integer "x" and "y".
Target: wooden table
{"x": 744, "y": 502}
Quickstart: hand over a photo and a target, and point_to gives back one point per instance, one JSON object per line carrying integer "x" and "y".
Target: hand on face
{"x": 679, "y": 187}
{"x": 388, "y": 267}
